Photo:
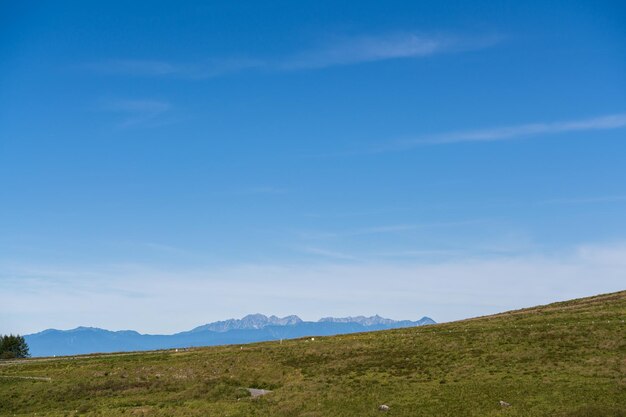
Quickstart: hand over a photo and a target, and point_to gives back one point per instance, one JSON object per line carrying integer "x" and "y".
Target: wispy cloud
{"x": 133, "y": 67}
{"x": 424, "y": 253}
{"x": 613, "y": 121}
{"x": 142, "y": 112}
{"x": 165, "y": 249}
{"x": 158, "y": 68}
{"x": 357, "y": 213}
{"x": 327, "y": 253}
{"x": 360, "y": 49}
{"x": 337, "y": 51}
{"x": 386, "y": 229}
{"x": 268, "y": 190}
{"x": 585, "y": 200}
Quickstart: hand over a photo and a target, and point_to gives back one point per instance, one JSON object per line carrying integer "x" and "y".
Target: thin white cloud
{"x": 138, "y": 112}
{"x": 327, "y": 253}
{"x": 358, "y": 213}
{"x": 360, "y": 49}
{"x": 386, "y": 229}
{"x": 338, "y": 51}
{"x": 585, "y": 200}
{"x": 608, "y": 122}
{"x": 134, "y": 67}
{"x": 358, "y": 232}
{"x": 424, "y": 253}
{"x": 159, "y": 247}
{"x": 268, "y": 190}
{"x": 156, "y": 68}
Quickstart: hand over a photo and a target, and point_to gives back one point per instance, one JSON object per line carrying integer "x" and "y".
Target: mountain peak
{"x": 362, "y": 320}
{"x": 251, "y": 321}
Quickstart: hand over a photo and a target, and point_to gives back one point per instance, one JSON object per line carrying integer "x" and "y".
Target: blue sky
{"x": 164, "y": 164}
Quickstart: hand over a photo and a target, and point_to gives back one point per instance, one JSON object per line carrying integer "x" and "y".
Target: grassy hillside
{"x": 565, "y": 359}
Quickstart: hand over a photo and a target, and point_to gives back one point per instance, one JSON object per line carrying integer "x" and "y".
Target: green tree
{"x": 13, "y": 347}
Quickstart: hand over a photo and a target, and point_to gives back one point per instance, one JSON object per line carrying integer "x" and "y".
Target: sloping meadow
{"x": 565, "y": 359}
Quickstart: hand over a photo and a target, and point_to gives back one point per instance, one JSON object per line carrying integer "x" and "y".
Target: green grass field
{"x": 565, "y": 359}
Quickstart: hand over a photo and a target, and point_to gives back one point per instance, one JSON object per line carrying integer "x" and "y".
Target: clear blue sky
{"x": 165, "y": 164}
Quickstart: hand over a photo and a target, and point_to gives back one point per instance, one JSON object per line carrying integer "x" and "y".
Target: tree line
{"x": 12, "y": 347}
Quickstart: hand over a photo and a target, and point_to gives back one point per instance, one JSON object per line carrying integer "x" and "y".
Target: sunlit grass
{"x": 567, "y": 359}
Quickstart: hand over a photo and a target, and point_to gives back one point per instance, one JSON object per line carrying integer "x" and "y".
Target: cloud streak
{"x": 264, "y": 190}
{"x": 327, "y": 253}
{"x": 388, "y": 229}
{"x": 338, "y": 51}
{"x": 155, "y": 68}
{"x": 361, "y": 49}
{"x": 143, "y": 112}
{"x": 607, "y": 122}
{"x": 585, "y": 200}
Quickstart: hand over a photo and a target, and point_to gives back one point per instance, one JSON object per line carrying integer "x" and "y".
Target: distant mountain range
{"x": 251, "y": 328}
{"x": 249, "y": 322}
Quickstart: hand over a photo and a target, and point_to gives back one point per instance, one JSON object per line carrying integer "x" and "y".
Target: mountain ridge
{"x": 251, "y": 321}
{"x": 250, "y": 328}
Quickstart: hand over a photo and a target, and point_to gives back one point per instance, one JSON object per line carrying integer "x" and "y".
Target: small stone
{"x": 383, "y": 407}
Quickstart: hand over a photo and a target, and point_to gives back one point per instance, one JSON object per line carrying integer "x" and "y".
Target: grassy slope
{"x": 564, "y": 359}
